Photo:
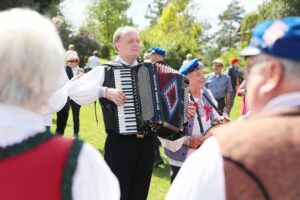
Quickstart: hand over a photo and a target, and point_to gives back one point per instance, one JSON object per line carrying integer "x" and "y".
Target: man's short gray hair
{"x": 120, "y": 32}
{"x": 291, "y": 67}
{"x": 31, "y": 58}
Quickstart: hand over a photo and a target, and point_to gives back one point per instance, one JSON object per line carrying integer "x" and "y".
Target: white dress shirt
{"x": 84, "y": 90}
{"x": 93, "y": 180}
{"x": 57, "y": 100}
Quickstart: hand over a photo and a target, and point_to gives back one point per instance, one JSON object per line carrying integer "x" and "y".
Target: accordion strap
{"x": 212, "y": 104}
{"x": 113, "y": 64}
{"x": 198, "y": 117}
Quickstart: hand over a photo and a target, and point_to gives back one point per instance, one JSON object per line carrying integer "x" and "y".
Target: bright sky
{"x": 74, "y": 10}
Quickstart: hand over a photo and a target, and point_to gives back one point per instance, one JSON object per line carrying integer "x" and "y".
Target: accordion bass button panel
{"x": 126, "y": 113}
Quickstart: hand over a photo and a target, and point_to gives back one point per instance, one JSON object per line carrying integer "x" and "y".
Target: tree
{"x": 63, "y": 28}
{"x": 155, "y": 12}
{"x": 230, "y": 21}
{"x": 105, "y": 17}
{"x": 268, "y": 10}
{"x": 176, "y": 30}
{"x": 286, "y": 7}
{"x": 41, "y": 6}
{"x": 84, "y": 46}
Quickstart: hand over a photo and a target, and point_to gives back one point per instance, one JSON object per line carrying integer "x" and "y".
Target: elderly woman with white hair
{"x": 31, "y": 58}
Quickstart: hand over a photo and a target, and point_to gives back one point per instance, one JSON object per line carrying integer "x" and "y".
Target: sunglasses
{"x": 217, "y": 65}
{"x": 71, "y": 61}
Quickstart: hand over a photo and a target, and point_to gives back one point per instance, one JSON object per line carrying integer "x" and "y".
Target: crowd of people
{"x": 255, "y": 158}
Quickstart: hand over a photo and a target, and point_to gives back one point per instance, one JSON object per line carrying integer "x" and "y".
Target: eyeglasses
{"x": 71, "y": 61}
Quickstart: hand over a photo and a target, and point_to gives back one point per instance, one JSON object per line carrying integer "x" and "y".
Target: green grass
{"x": 93, "y": 133}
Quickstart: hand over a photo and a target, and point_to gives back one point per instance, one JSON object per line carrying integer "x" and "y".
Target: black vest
{"x": 109, "y": 108}
{"x": 69, "y": 72}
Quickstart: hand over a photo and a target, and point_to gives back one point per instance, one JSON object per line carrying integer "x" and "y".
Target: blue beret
{"x": 280, "y": 38}
{"x": 191, "y": 66}
{"x": 158, "y": 50}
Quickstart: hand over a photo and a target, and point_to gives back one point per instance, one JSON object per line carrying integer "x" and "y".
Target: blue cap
{"x": 280, "y": 38}
{"x": 191, "y": 66}
{"x": 158, "y": 50}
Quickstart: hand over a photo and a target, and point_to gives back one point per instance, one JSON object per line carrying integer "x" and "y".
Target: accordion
{"x": 157, "y": 100}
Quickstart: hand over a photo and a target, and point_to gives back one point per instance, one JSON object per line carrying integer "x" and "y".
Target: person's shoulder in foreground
{"x": 30, "y": 70}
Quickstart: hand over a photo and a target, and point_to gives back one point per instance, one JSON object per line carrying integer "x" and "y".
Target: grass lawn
{"x": 93, "y": 133}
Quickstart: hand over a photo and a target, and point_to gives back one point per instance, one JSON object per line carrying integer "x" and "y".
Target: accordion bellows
{"x": 157, "y": 100}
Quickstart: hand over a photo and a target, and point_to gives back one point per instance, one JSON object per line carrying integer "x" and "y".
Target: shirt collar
{"x": 74, "y": 68}
{"x": 284, "y": 101}
{"x": 18, "y": 124}
{"x": 217, "y": 75}
{"x": 119, "y": 59}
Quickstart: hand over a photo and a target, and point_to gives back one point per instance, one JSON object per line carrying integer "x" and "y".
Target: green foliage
{"x": 63, "y": 29}
{"x": 268, "y": 10}
{"x": 177, "y": 31}
{"x": 155, "y": 12}
{"x": 230, "y": 20}
{"x": 84, "y": 46}
{"x": 233, "y": 52}
{"x": 84, "y": 43}
{"x": 41, "y": 6}
{"x": 104, "y": 52}
{"x": 226, "y": 37}
{"x": 105, "y": 17}
{"x": 287, "y": 7}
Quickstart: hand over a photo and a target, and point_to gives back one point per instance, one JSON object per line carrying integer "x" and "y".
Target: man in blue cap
{"x": 260, "y": 154}
{"x": 157, "y": 55}
{"x": 177, "y": 151}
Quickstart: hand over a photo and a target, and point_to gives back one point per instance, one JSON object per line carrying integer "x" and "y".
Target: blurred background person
{"x": 235, "y": 75}
{"x": 146, "y": 57}
{"x": 71, "y": 51}
{"x": 188, "y": 58}
{"x": 72, "y": 70}
{"x": 220, "y": 86}
{"x": 241, "y": 91}
{"x": 93, "y": 61}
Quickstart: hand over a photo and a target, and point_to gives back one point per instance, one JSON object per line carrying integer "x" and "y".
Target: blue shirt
{"x": 218, "y": 85}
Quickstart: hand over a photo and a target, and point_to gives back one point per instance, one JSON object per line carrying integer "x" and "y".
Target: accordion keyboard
{"x": 126, "y": 113}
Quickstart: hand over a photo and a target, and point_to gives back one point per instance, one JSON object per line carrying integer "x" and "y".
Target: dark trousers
{"x": 62, "y": 118}
{"x": 76, "y": 112}
{"x": 221, "y": 104}
{"x": 131, "y": 160}
{"x": 157, "y": 158}
{"x": 174, "y": 172}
